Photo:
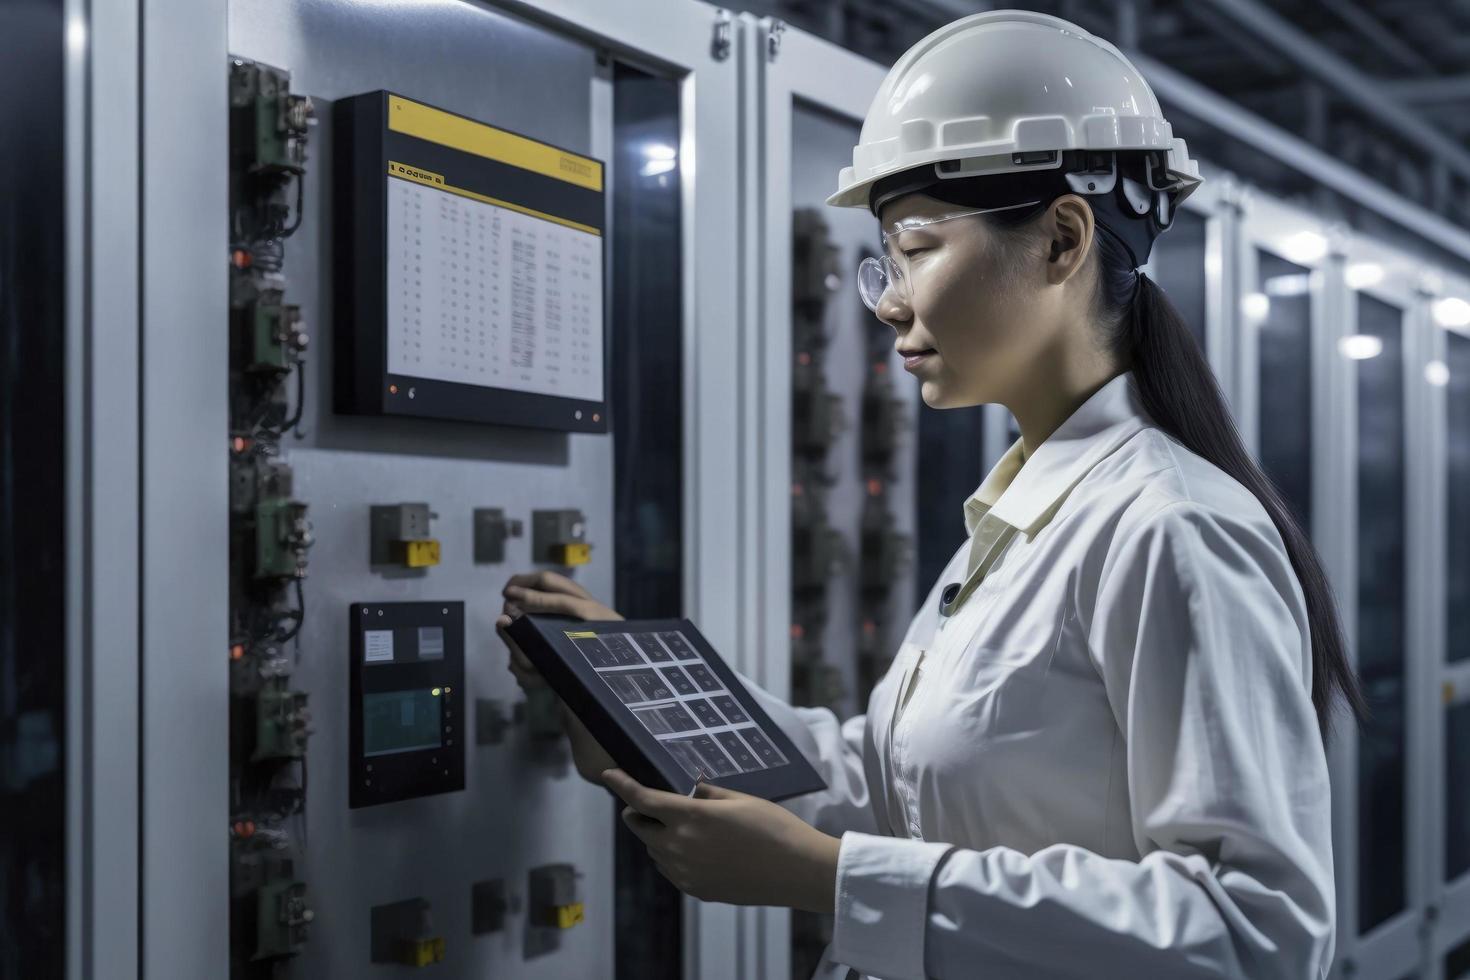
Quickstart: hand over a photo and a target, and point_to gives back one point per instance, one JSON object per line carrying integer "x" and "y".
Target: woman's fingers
{"x": 547, "y": 603}
{"x": 644, "y": 827}
{"x": 520, "y": 665}
{"x": 545, "y": 581}
{"x": 664, "y": 807}
{"x": 709, "y": 791}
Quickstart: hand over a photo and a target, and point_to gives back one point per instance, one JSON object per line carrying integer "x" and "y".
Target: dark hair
{"x": 1144, "y": 330}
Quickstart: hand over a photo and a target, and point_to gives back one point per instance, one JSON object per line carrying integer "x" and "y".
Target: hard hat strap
{"x": 1115, "y": 203}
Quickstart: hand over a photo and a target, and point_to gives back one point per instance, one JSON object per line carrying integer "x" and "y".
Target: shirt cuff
{"x": 883, "y": 904}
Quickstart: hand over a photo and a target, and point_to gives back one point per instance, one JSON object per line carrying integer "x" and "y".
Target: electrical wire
{"x": 295, "y": 616}
{"x": 300, "y": 397}
{"x": 290, "y": 230}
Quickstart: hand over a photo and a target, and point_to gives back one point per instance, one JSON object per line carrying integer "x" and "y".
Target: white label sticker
{"x": 377, "y": 646}
{"x": 431, "y": 642}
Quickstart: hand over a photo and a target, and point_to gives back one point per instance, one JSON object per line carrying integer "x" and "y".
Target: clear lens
{"x": 872, "y": 280}
{"x": 875, "y": 275}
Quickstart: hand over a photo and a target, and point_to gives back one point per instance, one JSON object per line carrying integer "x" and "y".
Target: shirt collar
{"x": 1000, "y": 477}
{"x": 1027, "y": 496}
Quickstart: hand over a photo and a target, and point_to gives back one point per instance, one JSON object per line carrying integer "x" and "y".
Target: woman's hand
{"x": 724, "y": 846}
{"x": 548, "y": 593}
{"x": 552, "y": 593}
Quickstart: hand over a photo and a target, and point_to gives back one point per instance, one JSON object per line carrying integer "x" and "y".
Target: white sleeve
{"x": 1199, "y": 633}
{"x": 835, "y": 750}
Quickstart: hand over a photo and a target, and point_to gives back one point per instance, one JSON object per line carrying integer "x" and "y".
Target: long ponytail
{"x": 1179, "y": 392}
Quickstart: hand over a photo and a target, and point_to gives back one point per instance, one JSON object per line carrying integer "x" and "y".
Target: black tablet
{"x": 663, "y": 704}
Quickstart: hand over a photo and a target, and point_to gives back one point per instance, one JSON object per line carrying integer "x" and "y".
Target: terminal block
{"x": 403, "y": 933}
{"x": 817, "y": 549}
{"x": 553, "y": 896}
{"x": 883, "y": 420}
{"x": 281, "y": 721}
{"x": 269, "y": 332}
{"x": 558, "y": 537}
{"x": 282, "y": 538}
{"x": 268, "y": 124}
{"x": 817, "y": 683}
{"x": 874, "y": 657}
{"x": 885, "y": 552}
{"x": 282, "y": 532}
{"x": 282, "y": 913}
{"x": 492, "y": 528}
{"x": 400, "y": 536}
{"x": 816, "y": 413}
{"x": 815, "y": 277}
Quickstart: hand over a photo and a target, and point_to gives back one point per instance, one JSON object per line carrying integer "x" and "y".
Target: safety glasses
{"x": 877, "y": 274}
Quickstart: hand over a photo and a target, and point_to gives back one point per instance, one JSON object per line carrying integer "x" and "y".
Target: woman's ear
{"x": 1071, "y": 224}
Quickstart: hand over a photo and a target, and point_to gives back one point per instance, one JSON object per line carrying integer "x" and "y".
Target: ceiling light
{"x": 1255, "y": 305}
{"x": 1361, "y": 275}
{"x": 1360, "y": 346}
{"x": 1452, "y": 311}
{"x": 1295, "y": 284}
{"x": 1437, "y": 373}
{"x": 1305, "y": 246}
{"x": 661, "y": 159}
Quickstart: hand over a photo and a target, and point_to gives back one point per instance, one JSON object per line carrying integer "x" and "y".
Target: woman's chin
{"x": 937, "y": 394}
{"x": 933, "y": 394}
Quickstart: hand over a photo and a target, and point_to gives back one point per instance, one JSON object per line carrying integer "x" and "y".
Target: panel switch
{"x": 492, "y": 527}
{"x": 553, "y": 896}
{"x": 403, "y": 932}
{"x": 400, "y": 536}
{"x": 571, "y": 553}
{"x": 488, "y": 905}
{"x": 559, "y": 537}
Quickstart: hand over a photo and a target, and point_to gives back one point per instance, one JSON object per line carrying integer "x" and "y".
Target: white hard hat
{"x": 1009, "y": 91}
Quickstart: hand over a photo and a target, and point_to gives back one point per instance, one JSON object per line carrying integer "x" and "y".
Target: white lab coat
{"x": 1106, "y": 762}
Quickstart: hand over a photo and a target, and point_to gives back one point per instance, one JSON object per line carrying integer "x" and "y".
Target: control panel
{"x": 405, "y": 678}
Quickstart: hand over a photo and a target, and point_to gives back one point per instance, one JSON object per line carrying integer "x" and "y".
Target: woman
{"x": 1099, "y": 750}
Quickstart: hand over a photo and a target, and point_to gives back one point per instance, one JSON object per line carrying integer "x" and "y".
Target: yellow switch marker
{"x": 421, "y": 952}
{"x": 421, "y": 554}
{"x": 575, "y": 553}
{"x": 568, "y": 915}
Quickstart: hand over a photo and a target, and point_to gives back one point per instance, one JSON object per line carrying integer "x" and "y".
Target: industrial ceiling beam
{"x": 1385, "y": 40}
{"x": 1366, "y": 94}
{"x": 1215, "y": 110}
{"x": 1450, "y": 88}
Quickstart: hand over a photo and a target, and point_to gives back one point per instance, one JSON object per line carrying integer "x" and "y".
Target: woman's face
{"x": 970, "y": 323}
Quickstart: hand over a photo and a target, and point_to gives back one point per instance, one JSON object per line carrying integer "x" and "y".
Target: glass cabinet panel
{"x": 1457, "y": 556}
{"x": 1382, "y": 618}
{"x": 1178, "y": 265}
{"x": 1285, "y": 343}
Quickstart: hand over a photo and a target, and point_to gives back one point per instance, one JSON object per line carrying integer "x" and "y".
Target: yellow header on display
{"x": 579, "y": 635}
{"x": 430, "y": 179}
{"x": 418, "y": 174}
{"x": 436, "y": 126}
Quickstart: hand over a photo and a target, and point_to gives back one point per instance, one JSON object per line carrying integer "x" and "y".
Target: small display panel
{"x": 405, "y": 687}
{"x": 470, "y": 270}
{"x": 481, "y": 294}
{"x": 661, "y": 701}
{"x": 401, "y": 721}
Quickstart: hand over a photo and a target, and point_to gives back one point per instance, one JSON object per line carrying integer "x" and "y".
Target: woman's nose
{"x": 892, "y": 308}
